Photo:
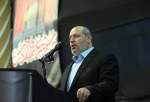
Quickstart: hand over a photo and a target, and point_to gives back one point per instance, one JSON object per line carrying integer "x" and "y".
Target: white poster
{"x": 35, "y": 30}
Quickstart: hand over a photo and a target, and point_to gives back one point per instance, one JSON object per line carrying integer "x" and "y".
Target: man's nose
{"x": 72, "y": 40}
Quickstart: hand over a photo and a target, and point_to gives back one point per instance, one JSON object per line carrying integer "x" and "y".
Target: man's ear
{"x": 88, "y": 40}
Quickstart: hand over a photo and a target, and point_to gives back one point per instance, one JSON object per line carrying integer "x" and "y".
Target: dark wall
{"x": 70, "y": 8}
{"x": 97, "y": 15}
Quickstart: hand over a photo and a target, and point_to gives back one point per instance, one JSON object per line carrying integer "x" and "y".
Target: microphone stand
{"x": 43, "y": 67}
{"x": 48, "y": 59}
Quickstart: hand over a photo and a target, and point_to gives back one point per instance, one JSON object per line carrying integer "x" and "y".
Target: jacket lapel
{"x": 65, "y": 77}
{"x": 82, "y": 67}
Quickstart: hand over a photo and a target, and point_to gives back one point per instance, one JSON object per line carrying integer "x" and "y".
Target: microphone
{"x": 57, "y": 46}
{"x": 49, "y": 56}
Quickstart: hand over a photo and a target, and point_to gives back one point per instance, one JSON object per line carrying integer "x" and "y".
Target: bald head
{"x": 83, "y": 30}
{"x": 80, "y": 39}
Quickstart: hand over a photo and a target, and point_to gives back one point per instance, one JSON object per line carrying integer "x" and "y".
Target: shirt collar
{"x": 86, "y": 52}
{"x": 82, "y": 55}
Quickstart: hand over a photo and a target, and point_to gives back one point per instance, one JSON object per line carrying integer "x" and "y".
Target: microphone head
{"x": 58, "y": 45}
{"x": 49, "y": 56}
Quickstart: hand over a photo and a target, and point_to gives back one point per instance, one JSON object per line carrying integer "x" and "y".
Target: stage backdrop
{"x": 5, "y": 34}
{"x": 35, "y": 34}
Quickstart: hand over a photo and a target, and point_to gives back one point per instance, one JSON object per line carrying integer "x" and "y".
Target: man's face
{"x": 78, "y": 41}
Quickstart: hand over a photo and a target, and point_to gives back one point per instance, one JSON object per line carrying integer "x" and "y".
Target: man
{"x": 91, "y": 77}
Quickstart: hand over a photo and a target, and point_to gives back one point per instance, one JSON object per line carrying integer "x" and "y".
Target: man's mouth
{"x": 73, "y": 46}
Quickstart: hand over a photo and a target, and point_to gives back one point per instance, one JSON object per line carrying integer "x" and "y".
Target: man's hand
{"x": 83, "y": 94}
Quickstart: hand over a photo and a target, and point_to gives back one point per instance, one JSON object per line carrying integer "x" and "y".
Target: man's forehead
{"x": 75, "y": 31}
{"x": 75, "y": 34}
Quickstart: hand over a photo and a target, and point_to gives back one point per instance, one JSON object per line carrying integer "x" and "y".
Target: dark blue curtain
{"x": 131, "y": 44}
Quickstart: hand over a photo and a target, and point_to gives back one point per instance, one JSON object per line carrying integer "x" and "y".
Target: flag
{"x": 5, "y": 34}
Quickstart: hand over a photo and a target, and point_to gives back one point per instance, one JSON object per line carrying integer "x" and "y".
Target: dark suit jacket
{"x": 97, "y": 73}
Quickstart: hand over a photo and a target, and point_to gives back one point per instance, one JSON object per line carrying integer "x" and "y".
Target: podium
{"x": 22, "y": 85}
